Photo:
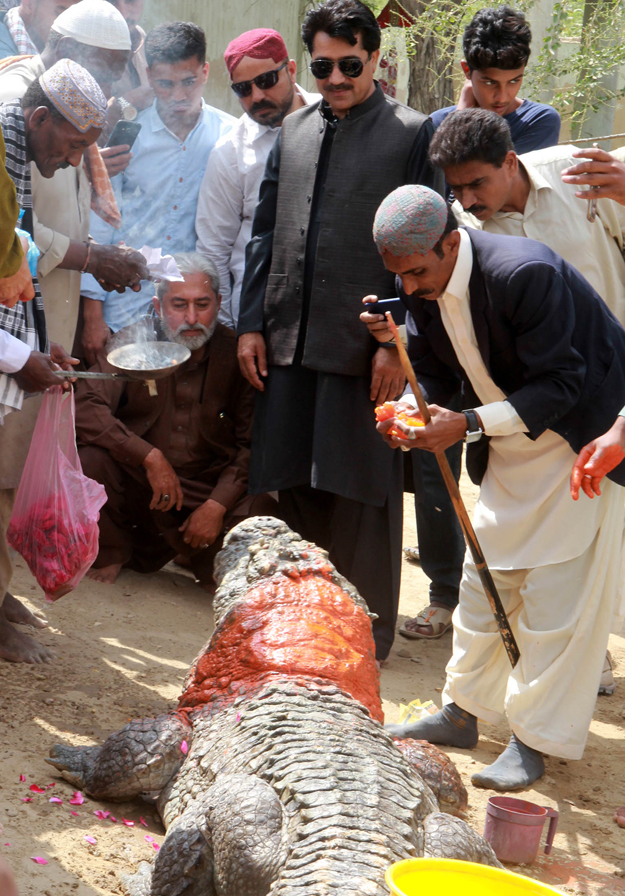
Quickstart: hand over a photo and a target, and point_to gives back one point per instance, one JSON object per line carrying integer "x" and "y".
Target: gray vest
{"x": 369, "y": 159}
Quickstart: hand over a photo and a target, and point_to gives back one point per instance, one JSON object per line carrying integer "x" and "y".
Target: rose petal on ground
{"x": 77, "y": 799}
{"x": 7, "y": 844}
{"x": 75, "y": 813}
{"x": 156, "y": 846}
{"x": 113, "y": 819}
{"x": 35, "y": 788}
{"x": 184, "y": 746}
{"x": 55, "y": 799}
{"x": 238, "y": 717}
{"x": 91, "y": 840}
{"x": 129, "y": 824}
{"x": 143, "y": 821}
{"x": 26, "y": 799}
{"x": 148, "y": 839}
{"x": 22, "y": 778}
{"x": 101, "y": 814}
{"x": 39, "y": 860}
{"x": 48, "y": 786}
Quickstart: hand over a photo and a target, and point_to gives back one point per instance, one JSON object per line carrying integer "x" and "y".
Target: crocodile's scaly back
{"x": 291, "y": 786}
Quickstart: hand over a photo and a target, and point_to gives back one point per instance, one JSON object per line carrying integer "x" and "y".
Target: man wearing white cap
{"x": 59, "y": 117}
{"x": 94, "y": 34}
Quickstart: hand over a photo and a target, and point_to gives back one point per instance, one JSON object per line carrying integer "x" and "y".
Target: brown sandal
{"x": 437, "y": 619}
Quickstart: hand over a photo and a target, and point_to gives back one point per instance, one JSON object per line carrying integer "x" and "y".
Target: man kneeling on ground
{"x": 175, "y": 466}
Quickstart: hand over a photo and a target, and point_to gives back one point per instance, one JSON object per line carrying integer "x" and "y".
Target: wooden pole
{"x": 486, "y": 578}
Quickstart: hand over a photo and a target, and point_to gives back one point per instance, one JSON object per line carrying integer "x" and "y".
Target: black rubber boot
{"x": 516, "y": 769}
{"x": 451, "y": 727}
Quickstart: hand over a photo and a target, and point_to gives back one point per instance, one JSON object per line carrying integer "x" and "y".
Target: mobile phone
{"x": 124, "y": 134}
{"x": 395, "y": 306}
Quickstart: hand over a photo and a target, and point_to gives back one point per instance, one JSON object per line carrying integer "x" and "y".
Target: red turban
{"x": 261, "y": 43}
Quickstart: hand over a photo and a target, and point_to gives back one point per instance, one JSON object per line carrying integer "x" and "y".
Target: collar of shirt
{"x": 157, "y": 124}
{"x": 458, "y": 285}
{"x": 537, "y": 183}
{"x": 376, "y": 98}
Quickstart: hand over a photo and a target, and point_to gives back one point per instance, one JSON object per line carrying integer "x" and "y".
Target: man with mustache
{"x": 263, "y": 78}
{"x": 539, "y": 361}
{"x": 311, "y": 259}
{"x": 175, "y": 465}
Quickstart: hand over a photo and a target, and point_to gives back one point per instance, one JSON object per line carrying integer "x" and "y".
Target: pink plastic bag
{"x": 54, "y": 524}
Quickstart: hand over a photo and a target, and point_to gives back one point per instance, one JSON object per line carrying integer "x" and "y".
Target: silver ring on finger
{"x": 165, "y": 498}
{"x": 203, "y": 546}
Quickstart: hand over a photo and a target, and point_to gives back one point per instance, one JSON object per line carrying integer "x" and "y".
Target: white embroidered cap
{"x": 96, "y": 23}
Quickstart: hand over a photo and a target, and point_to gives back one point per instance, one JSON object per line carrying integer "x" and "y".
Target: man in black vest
{"x": 540, "y": 362}
{"x": 301, "y": 344}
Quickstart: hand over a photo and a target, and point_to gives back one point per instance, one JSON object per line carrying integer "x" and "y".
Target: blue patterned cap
{"x": 411, "y": 220}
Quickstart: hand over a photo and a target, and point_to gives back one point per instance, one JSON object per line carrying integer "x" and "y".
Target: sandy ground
{"x": 123, "y": 652}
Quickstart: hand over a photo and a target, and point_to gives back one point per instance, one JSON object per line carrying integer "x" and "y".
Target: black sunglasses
{"x": 264, "y": 82}
{"x": 351, "y": 67}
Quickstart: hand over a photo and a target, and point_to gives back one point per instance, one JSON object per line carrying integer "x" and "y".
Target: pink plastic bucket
{"x": 514, "y": 828}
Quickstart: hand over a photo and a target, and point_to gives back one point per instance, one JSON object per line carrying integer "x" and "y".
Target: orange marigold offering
{"x": 386, "y": 411}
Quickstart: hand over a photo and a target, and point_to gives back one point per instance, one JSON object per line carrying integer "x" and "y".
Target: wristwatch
{"x": 129, "y": 113}
{"x": 474, "y": 430}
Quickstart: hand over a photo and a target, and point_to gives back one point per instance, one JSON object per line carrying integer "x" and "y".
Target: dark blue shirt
{"x": 532, "y": 125}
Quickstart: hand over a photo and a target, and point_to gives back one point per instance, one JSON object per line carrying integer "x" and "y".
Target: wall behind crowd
{"x": 224, "y": 20}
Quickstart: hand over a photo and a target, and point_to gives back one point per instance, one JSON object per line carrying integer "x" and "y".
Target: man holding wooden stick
{"x": 538, "y": 359}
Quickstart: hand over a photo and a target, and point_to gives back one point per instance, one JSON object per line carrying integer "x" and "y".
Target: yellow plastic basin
{"x": 448, "y": 877}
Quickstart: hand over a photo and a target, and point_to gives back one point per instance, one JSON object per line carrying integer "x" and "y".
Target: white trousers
{"x": 560, "y": 616}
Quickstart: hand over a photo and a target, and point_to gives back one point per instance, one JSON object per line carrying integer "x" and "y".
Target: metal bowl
{"x": 148, "y": 360}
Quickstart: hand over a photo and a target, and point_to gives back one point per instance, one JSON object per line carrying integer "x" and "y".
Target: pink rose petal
{"x": 26, "y": 799}
{"x": 148, "y": 839}
{"x": 129, "y": 824}
{"x": 101, "y": 814}
{"x": 35, "y": 788}
{"x": 22, "y": 778}
{"x": 156, "y": 846}
{"x": 77, "y": 799}
{"x": 48, "y": 786}
{"x": 7, "y": 844}
{"x": 184, "y": 746}
{"x": 77, "y": 814}
{"x": 113, "y": 819}
{"x": 143, "y": 821}
{"x": 91, "y": 840}
{"x": 238, "y": 717}
{"x": 55, "y": 799}
{"x": 39, "y": 860}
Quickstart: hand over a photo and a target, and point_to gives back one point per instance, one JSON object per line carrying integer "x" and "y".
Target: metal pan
{"x": 147, "y": 361}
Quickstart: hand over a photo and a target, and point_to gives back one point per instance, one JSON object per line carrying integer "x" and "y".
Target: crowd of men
{"x": 282, "y": 223}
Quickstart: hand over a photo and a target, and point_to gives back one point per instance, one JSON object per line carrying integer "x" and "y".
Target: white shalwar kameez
{"x": 555, "y": 562}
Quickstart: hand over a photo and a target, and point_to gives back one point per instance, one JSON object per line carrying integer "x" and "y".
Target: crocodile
{"x": 274, "y": 774}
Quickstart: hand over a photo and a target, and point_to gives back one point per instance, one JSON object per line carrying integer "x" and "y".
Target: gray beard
{"x": 191, "y": 343}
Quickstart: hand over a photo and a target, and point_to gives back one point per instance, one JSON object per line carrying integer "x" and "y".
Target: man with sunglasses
{"x": 310, "y": 261}
{"x": 263, "y": 78}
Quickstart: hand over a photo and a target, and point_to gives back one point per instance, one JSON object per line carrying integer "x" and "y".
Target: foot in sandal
{"x": 607, "y": 685}
{"x": 431, "y": 623}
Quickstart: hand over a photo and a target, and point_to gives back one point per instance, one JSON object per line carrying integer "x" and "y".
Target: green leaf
{"x": 376, "y": 6}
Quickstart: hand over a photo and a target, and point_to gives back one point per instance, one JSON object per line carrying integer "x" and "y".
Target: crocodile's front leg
{"x": 141, "y": 758}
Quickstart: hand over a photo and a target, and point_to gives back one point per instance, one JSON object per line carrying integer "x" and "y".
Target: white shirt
{"x": 554, "y": 216}
{"x": 524, "y": 517}
{"x": 13, "y": 353}
{"x": 227, "y": 202}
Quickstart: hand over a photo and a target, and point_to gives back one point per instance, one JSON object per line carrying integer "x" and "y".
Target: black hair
{"x": 471, "y": 135}
{"x": 36, "y": 97}
{"x": 497, "y": 38}
{"x": 175, "y": 41}
{"x": 345, "y": 19}
{"x": 450, "y": 226}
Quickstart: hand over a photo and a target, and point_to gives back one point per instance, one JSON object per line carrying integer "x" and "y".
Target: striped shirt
{"x": 26, "y": 321}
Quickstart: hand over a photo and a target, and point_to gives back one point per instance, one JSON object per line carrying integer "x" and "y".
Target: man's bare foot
{"x": 7, "y": 881}
{"x": 19, "y": 614}
{"x": 16, "y": 647}
{"x": 106, "y": 574}
{"x": 619, "y": 816}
